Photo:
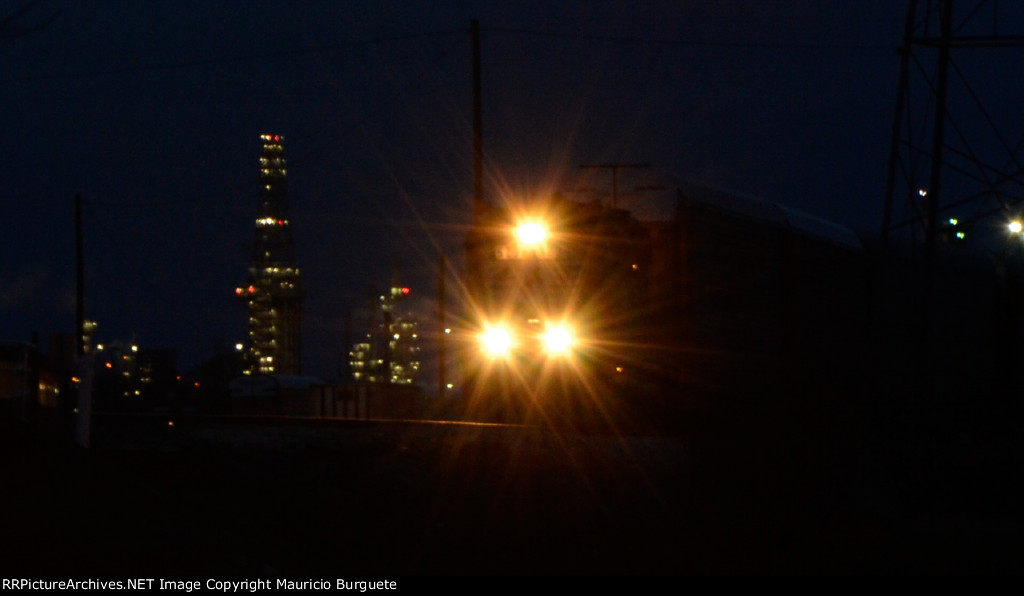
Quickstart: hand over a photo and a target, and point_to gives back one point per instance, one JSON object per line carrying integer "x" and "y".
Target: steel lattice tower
{"x": 273, "y": 291}
{"x": 955, "y": 158}
{"x": 954, "y": 204}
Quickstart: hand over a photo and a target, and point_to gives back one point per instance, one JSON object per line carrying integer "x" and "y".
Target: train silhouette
{"x": 580, "y": 310}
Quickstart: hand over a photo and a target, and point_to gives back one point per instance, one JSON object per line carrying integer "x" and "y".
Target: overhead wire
{"x": 697, "y": 43}
{"x": 198, "y": 63}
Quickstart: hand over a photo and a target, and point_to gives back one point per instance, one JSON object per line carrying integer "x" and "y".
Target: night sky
{"x": 153, "y": 111}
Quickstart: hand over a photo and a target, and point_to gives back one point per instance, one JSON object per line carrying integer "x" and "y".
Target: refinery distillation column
{"x": 273, "y": 291}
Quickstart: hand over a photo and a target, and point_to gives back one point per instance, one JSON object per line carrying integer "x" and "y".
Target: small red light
{"x": 280, "y": 222}
{"x": 238, "y": 291}
{"x": 252, "y": 289}
{"x": 405, "y": 290}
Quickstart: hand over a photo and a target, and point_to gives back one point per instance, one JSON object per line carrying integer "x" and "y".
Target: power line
{"x": 697, "y": 43}
{"x": 199, "y": 63}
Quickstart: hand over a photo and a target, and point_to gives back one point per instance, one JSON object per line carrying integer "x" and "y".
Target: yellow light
{"x": 1016, "y": 227}
{"x": 558, "y": 339}
{"x": 496, "y": 341}
{"x": 531, "y": 233}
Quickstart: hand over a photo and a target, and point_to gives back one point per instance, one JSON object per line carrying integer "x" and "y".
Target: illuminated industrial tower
{"x": 274, "y": 288}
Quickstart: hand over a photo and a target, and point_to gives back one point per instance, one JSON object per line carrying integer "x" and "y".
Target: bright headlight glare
{"x": 531, "y": 233}
{"x": 496, "y": 341}
{"x": 558, "y": 339}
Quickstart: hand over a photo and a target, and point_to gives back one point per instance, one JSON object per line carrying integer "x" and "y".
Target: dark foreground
{"x": 294, "y": 498}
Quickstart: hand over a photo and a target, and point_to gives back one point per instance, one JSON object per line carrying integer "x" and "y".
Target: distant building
{"x": 158, "y": 372}
{"x": 117, "y": 370}
{"x": 273, "y": 291}
{"x": 389, "y": 353}
{"x": 25, "y": 381}
{"x": 88, "y": 331}
{"x": 363, "y": 363}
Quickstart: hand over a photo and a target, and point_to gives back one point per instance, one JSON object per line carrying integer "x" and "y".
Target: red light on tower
{"x": 405, "y": 290}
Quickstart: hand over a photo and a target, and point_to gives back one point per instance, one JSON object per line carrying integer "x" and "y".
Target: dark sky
{"x": 153, "y": 111}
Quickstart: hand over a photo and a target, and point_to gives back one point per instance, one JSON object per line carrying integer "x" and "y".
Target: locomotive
{"x": 722, "y": 305}
{"x": 559, "y": 304}
{"x": 580, "y": 311}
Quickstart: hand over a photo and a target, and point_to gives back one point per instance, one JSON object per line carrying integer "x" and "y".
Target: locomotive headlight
{"x": 558, "y": 340}
{"x": 531, "y": 233}
{"x": 496, "y": 341}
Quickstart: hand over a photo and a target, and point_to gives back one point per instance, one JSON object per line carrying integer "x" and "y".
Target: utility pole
{"x": 442, "y": 339}
{"x": 83, "y": 362}
{"x": 80, "y": 281}
{"x": 897, "y": 125}
{"x": 478, "y": 144}
{"x": 934, "y": 191}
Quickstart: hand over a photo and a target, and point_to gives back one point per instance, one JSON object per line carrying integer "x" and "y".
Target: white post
{"x": 83, "y": 420}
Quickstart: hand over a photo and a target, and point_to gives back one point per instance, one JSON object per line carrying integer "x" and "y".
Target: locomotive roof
{"x": 663, "y": 208}
{"x": 768, "y": 211}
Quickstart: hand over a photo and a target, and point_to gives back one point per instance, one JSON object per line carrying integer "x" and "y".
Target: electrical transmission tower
{"x": 956, "y": 173}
